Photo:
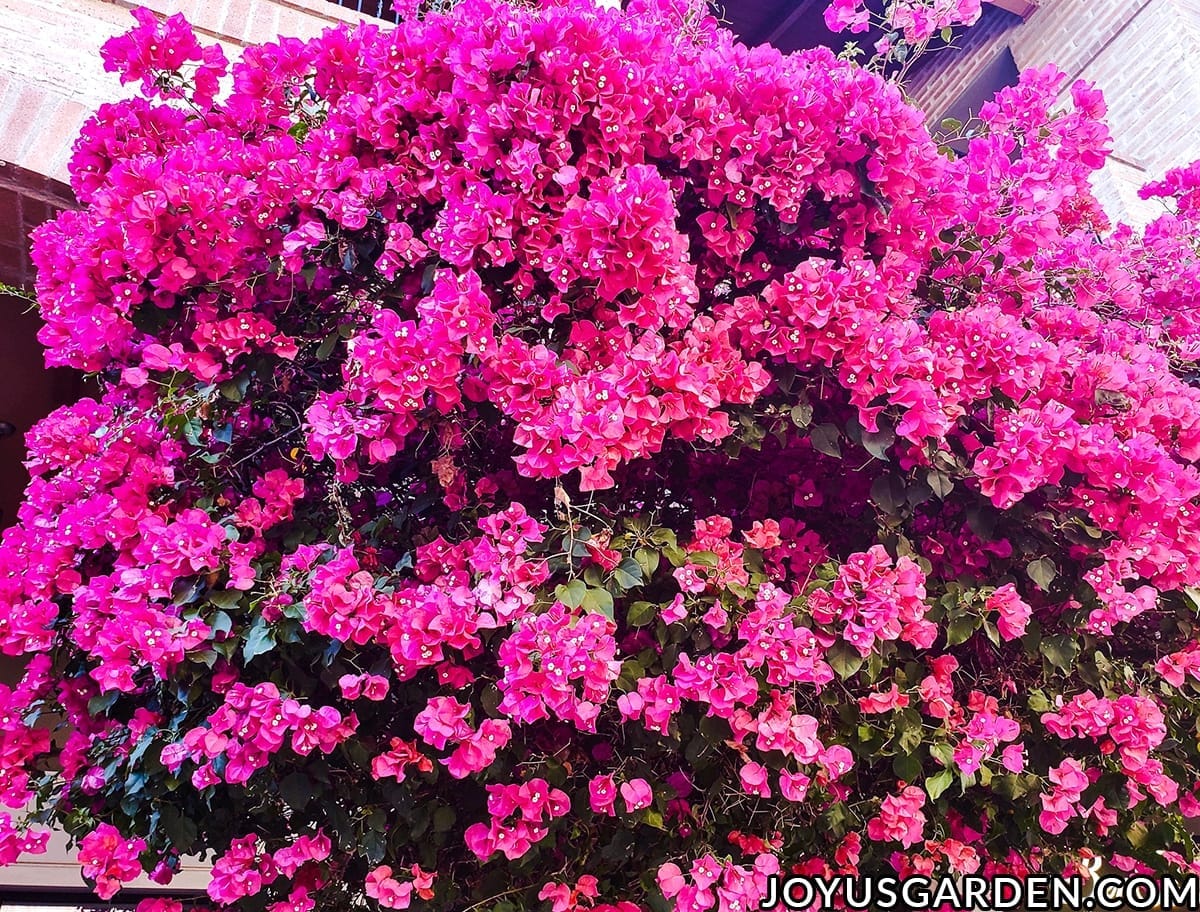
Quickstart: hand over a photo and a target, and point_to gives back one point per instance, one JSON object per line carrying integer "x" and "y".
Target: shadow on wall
{"x": 28, "y": 390}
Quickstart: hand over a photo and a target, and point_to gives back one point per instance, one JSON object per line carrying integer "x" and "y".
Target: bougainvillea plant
{"x": 559, "y": 458}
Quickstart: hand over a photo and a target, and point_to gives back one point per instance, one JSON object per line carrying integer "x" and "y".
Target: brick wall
{"x": 1144, "y": 55}
{"x": 51, "y": 76}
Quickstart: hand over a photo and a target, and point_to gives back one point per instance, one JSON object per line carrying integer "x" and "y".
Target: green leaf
{"x": 490, "y": 699}
{"x": 888, "y": 494}
{"x": 1008, "y": 786}
{"x": 1137, "y": 834}
{"x": 443, "y": 819}
{"x": 664, "y": 538}
{"x": 940, "y": 483}
{"x": 910, "y": 739}
{"x": 598, "y": 600}
{"x": 1042, "y": 572}
{"x": 825, "y": 440}
{"x": 936, "y": 785}
{"x": 835, "y": 819}
{"x": 101, "y": 704}
{"x": 325, "y": 349}
{"x": 960, "y": 629}
{"x": 191, "y": 431}
{"x": 648, "y": 560}
{"x": 907, "y": 766}
{"x": 910, "y": 729}
{"x": 629, "y": 574}
{"x": 632, "y": 671}
{"x": 675, "y": 554}
{"x": 571, "y": 594}
{"x": 180, "y": 830}
{"x": 374, "y": 846}
{"x": 654, "y": 818}
{"x": 947, "y": 34}
{"x": 641, "y": 613}
{"x": 1193, "y": 595}
{"x": 992, "y": 631}
{"x": 297, "y": 790}
{"x": 1060, "y": 651}
{"x": 802, "y": 414}
{"x": 942, "y": 752}
{"x": 1038, "y": 702}
{"x": 636, "y": 523}
{"x": 225, "y": 598}
{"x": 844, "y": 659}
{"x": 877, "y": 442}
{"x": 235, "y": 390}
{"x": 917, "y": 492}
{"x": 220, "y": 623}
{"x": 259, "y": 640}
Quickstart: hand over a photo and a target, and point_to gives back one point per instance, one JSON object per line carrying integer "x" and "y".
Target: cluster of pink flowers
{"x": 873, "y": 600}
{"x": 984, "y": 733}
{"x": 1180, "y": 665}
{"x": 241, "y": 871}
{"x": 1131, "y": 725}
{"x": 16, "y": 841}
{"x": 1062, "y": 802}
{"x": 535, "y": 805}
{"x": 711, "y": 883}
{"x": 443, "y": 721}
{"x": 917, "y": 20}
{"x": 900, "y": 818}
{"x": 520, "y": 423}
{"x": 394, "y": 894}
{"x": 254, "y": 723}
{"x": 461, "y": 590}
{"x": 110, "y": 859}
{"x": 561, "y": 664}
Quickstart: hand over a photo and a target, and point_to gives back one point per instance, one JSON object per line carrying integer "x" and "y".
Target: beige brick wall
{"x": 1143, "y": 54}
{"x": 51, "y": 76}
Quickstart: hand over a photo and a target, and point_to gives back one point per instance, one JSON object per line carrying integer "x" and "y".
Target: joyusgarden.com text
{"x": 1036, "y": 893}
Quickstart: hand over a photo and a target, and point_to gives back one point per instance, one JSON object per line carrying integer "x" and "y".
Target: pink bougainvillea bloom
{"x": 562, "y": 440}
{"x": 1012, "y": 612}
{"x": 1013, "y": 758}
{"x": 386, "y": 890}
{"x": 900, "y": 818}
{"x": 670, "y": 879}
{"x": 602, "y": 794}
{"x": 110, "y": 859}
{"x": 754, "y": 778}
{"x": 637, "y": 794}
{"x": 883, "y": 702}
